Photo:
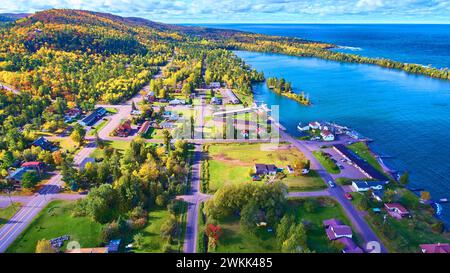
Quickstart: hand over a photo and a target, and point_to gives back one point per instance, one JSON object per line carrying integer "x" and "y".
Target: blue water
{"x": 422, "y": 44}
{"x": 407, "y": 116}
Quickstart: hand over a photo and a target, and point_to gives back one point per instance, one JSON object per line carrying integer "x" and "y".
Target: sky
{"x": 254, "y": 11}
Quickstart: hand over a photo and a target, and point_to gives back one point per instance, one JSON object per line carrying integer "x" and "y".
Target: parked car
{"x": 331, "y": 183}
{"x": 348, "y": 196}
{"x": 341, "y": 167}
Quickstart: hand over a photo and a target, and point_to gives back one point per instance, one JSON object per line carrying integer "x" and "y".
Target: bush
{"x": 311, "y": 205}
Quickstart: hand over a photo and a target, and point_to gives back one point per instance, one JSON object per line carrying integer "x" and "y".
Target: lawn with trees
{"x": 327, "y": 162}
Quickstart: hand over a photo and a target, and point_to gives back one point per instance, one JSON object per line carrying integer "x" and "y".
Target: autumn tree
{"x": 44, "y": 246}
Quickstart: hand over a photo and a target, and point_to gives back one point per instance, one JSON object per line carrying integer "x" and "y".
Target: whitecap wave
{"x": 352, "y": 48}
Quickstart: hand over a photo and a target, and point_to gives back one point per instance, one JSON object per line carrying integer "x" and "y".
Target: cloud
{"x": 251, "y": 10}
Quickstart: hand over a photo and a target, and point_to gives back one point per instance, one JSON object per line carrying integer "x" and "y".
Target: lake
{"x": 407, "y": 116}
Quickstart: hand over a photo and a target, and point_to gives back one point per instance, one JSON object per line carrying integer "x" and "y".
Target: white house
{"x": 327, "y": 135}
{"x": 214, "y": 85}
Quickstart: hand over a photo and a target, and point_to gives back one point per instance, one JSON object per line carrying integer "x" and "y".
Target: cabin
{"x": 363, "y": 186}
{"x": 335, "y": 229}
{"x": 435, "y": 248}
{"x": 396, "y": 210}
{"x": 93, "y": 117}
{"x": 265, "y": 169}
{"x": 124, "y": 129}
{"x": 327, "y": 135}
{"x": 44, "y": 144}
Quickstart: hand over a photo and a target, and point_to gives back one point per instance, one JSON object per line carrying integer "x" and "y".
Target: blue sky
{"x": 255, "y": 11}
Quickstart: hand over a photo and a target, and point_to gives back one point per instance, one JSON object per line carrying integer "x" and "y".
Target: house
{"x": 396, "y": 210}
{"x": 305, "y": 171}
{"x": 144, "y": 128}
{"x": 177, "y": 102}
{"x": 37, "y": 166}
{"x": 215, "y": 85}
{"x": 16, "y": 176}
{"x": 289, "y": 169}
{"x": 72, "y": 114}
{"x": 314, "y": 125}
{"x": 335, "y": 229}
{"x": 327, "y": 135}
{"x": 136, "y": 112}
{"x": 349, "y": 245}
{"x": 113, "y": 246}
{"x": 167, "y": 125}
{"x": 95, "y": 250}
{"x": 435, "y": 248}
{"x": 363, "y": 186}
{"x": 216, "y": 101}
{"x": 150, "y": 97}
{"x": 93, "y": 117}
{"x": 265, "y": 169}
{"x": 44, "y": 144}
{"x": 124, "y": 129}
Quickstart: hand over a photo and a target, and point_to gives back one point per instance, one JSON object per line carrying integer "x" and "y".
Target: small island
{"x": 284, "y": 88}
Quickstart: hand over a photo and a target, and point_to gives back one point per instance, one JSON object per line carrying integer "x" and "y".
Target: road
{"x": 337, "y": 193}
{"x": 15, "y": 91}
{"x": 193, "y": 198}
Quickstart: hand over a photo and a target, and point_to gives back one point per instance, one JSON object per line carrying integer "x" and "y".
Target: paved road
{"x": 309, "y": 193}
{"x": 337, "y": 193}
{"x": 193, "y": 198}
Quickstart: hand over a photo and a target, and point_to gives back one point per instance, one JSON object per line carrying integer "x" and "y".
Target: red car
{"x": 348, "y": 196}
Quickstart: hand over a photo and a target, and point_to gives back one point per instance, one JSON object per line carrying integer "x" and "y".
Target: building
{"x": 378, "y": 195}
{"x": 150, "y": 97}
{"x": 232, "y": 97}
{"x": 367, "y": 169}
{"x": 335, "y": 229}
{"x": 72, "y": 114}
{"x": 94, "y": 250}
{"x": 167, "y": 125}
{"x": 215, "y": 85}
{"x": 314, "y": 125}
{"x": 435, "y": 248}
{"x": 93, "y": 117}
{"x": 44, "y": 144}
{"x": 327, "y": 135}
{"x": 136, "y": 112}
{"x": 16, "y": 176}
{"x": 124, "y": 129}
{"x": 396, "y": 210}
{"x": 144, "y": 128}
{"x": 177, "y": 102}
{"x": 113, "y": 246}
{"x": 265, "y": 169}
{"x": 363, "y": 186}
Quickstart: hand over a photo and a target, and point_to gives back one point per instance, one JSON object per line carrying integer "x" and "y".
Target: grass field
{"x": 98, "y": 126}
{"x": 67, "y": 144}
{"x": 310, "y": 182}
{"x": 231, "y": 164}
{"x": 8, "y": 212}
{"x": 329, "y": 165}
{"x": 234, "y": 240}
{"x": 363, "y": 151}
{"x": 53, "y": 221}
{"x": 120, "y": 145}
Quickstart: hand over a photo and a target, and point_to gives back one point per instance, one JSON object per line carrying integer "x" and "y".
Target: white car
{"x": 331, "y": 183}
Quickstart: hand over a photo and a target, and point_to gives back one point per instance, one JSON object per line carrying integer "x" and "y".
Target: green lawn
{"x": 53, "y": 221}
{"x": 231, "y": 164}
{"x": 8, "y": 212}
{"x": 67, "y": 144}
{"x": 153, "y": 133}
{"x": 234, "y": 240}
{"x": 363, "y": 151}
{"x": 329, "y": 165}
{"x": 328, "y": 208}
{"x": 111, "y": 110}
{"x": 120, "y": 145}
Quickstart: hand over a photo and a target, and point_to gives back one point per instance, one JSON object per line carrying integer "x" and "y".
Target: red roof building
{"x": 124, "y": 129}
{"x": 396, "y": 210}
{"x": 38, "y": 166}
{"x": 335, "y": 229}
{"x": 144, "y": 128}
